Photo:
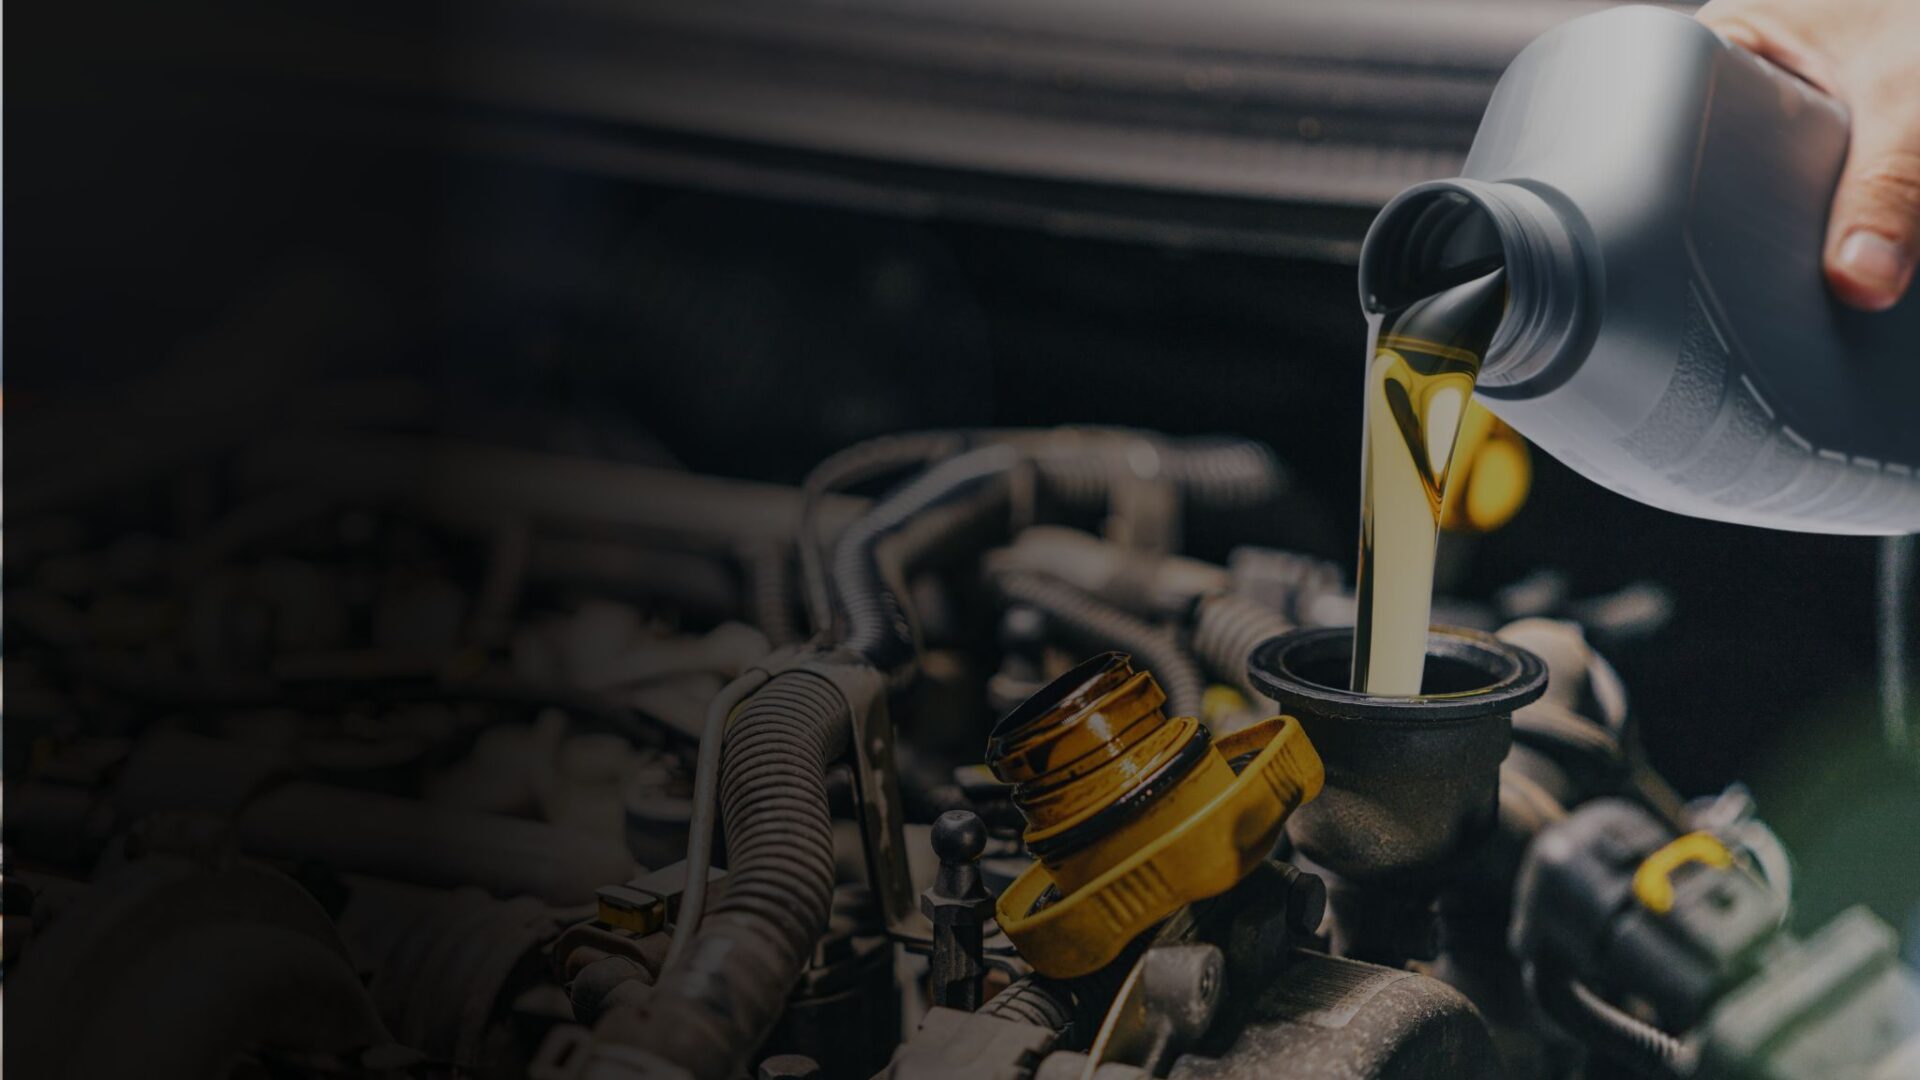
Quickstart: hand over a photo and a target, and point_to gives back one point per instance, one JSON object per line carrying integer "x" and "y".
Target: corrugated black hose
{"x": 1075, "y": 464}
{"x": 1097, "y": 624}
{"x": 1212, "y": 472}
{"x": 873, "y": 618}
{"x": 1033, "y": 999}
{"x": 769, "y": 572}
{"x": 711, "y": 1010}
{"x": 857, "y": 463}
{"x": 1225, "y": 630}
{"x": 1072, "y": 1007}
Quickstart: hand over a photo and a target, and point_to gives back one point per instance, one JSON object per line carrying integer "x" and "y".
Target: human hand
{"x": 1867, "y": 54}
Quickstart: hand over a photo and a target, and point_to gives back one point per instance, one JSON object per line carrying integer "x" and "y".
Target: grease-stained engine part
{"x": 1612, "y": 906}
{"x": 1412, "y": 782}
{"x": 546, "y": 779}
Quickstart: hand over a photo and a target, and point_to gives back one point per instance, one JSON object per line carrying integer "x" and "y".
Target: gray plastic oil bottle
{"x": 1659, "y": 199}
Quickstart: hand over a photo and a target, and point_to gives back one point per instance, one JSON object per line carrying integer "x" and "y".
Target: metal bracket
{"x": 1167, "y": 1002}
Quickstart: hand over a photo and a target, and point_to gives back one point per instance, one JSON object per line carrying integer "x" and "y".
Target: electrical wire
{"x": 706, "y": 801}
{"x": 1622, "y": 1037}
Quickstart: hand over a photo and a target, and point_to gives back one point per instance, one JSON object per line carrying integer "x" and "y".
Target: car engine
{"x": 802, "y": 613}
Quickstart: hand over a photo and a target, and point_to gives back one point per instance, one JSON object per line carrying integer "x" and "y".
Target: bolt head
{"x": 954, "y": 910}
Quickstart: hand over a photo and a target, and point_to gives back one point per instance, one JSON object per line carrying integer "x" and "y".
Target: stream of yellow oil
{"x": 1422, "y": 362}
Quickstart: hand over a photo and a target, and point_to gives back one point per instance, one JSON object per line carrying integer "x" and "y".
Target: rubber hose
{"x": 1033, "y": 999}
{"x": 857, "y": 463}
{"x": 876, "y": 624}
{"x": 1214, "y": 472}
{"x": 1624, "y": 1038}
{"x": 770, "y": 591}
{"x": 1101, "y": 625}
{"x": 1222, "y": 472}
{"x": 1075, "y": 1008}
{"x": 1225, "y": 630}
{"x": 710, "y": 1011}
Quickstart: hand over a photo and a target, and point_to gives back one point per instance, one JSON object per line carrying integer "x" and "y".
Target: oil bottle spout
{"x": 1437, "y": 235}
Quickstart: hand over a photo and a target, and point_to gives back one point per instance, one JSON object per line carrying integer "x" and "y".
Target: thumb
{"x": 1873, "y": 234}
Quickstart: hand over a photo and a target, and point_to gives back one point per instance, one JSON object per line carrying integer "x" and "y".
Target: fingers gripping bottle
{"x": 1658, "y": 198}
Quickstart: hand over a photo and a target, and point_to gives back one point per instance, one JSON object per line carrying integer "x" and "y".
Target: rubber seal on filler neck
{"x": 1305, "y": 671}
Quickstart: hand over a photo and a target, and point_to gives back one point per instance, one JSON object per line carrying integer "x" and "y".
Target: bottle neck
{"x": 1435, "y": 233}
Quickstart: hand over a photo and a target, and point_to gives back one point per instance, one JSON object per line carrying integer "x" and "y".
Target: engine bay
{"x": 565, "y": 600}
{"x": 951, "y": 733}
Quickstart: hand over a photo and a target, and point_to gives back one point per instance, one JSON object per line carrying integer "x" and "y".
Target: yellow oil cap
{"x": 1132, "y": 814}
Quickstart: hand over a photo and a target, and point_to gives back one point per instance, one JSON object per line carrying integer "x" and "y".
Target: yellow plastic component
{"x": 1653, "y": 881}
{"x": 1492, "y": 472}
{"x": 1194, "y": 852}
{"x": 625, "y": 907}
{"x": 1219, "y": 702}
{"x": 1209, "y": 778}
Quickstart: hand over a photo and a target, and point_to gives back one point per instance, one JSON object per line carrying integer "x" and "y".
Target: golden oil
{"x": 1423, "y": 360}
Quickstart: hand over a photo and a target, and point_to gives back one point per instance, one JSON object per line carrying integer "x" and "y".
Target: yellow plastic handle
{"x": 1653, "y": 881}
{"x": 1203, "y": 855}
